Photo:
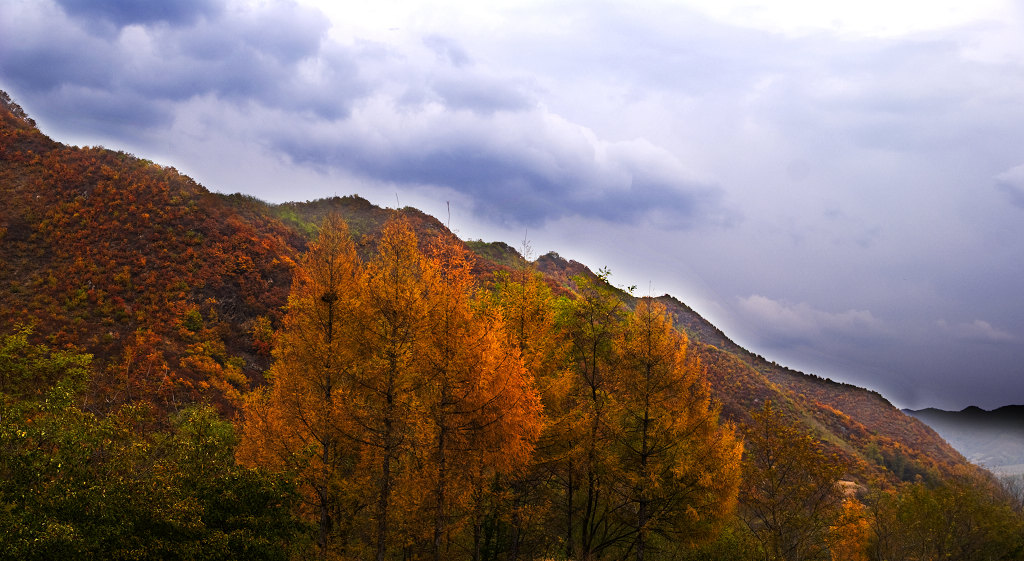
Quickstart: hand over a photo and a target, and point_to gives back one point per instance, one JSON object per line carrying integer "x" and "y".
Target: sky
{"x": 839, "y": 186}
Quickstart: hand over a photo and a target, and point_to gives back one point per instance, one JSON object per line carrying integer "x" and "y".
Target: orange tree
{"x": 790, "y": 497}
{"x": 298, "y": 423}
{"x": 395, "y": 395}
{"x": 679, "y": 468}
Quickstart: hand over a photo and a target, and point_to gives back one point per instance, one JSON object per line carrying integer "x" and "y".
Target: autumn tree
{"x": 299, "y": 422}
{"x": 591, "y": 321}
{"x": 790, "y": 497}
{"x": 848, "y": 540}
{"x": 483, "y": 411}
{"x": 963, "y": 517}
{"x": 679, "y": 468}
{"x": 519, "y": 523}
{"x": 386, "y": 375}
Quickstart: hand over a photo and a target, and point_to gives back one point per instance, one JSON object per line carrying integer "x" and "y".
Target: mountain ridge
{"x": 177, "y": 291}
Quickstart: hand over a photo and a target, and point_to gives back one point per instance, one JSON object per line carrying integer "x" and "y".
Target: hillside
{"x": 878, "y": 440}
{"x": 177, "y": 291}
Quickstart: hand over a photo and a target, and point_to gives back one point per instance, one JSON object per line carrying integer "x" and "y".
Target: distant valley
{"x": 992, "y": 439}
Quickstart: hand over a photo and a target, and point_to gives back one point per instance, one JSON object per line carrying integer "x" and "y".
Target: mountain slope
{"x": 880, "y": 442}
{"x": 177, "y": 291}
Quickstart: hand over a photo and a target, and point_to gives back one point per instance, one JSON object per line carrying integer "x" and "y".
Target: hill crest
{"x": 177, "y": 291}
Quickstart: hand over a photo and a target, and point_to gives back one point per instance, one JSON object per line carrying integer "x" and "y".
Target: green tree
{"x": 28, "y": 370}
{"x": 591, "y": 321}
{"x": 964, "y": 517}
{"x": 74, "y": 485}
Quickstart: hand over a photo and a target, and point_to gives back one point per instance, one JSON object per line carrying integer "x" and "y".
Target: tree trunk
{"x": 439, "y": 491}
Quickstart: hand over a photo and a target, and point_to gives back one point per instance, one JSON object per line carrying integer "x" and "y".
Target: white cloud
{"x": 871, "y": 18}
{"x": 786, "y": 324}
{"x": 977, "y": 330}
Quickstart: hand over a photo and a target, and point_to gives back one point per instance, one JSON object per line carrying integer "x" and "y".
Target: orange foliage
{"x": 674, "y": 459}
{"x": 393, "y": 391}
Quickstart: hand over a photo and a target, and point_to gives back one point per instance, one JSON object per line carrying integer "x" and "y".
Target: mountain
{"x": 177, "y": 291}
{"x": 994, "y": 439}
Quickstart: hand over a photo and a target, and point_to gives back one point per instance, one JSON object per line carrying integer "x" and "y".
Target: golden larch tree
{"x": 522, "y": 521}
{"x": 298, "y": 422}
{"x": 387, "y": 374}
{"x": 679, "y": 468}
{"x": 585, "y": 469}
{"x": 790, "y": 497}
{"x": 481, "y": 407}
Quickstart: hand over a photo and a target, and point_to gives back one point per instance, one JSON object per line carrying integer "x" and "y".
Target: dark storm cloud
{"x": 128, "y": 12}
{"x": 46, "y": 52}
{"x": 272, "y": 55}
{"x": 468, "y": 129}
{"x": 526, "y": 167}
{"x": 106, "y": 113}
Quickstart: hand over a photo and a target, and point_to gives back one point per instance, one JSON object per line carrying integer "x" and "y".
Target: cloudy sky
{"x": 837, "y": 185}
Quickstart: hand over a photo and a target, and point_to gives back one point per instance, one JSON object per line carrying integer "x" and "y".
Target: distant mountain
{"x": 994, "y": 439}
{"x": 177, "y": 291}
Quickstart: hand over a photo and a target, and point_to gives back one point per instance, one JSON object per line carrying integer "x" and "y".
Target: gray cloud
{"x": 525, "y": 167}
{"x": 977, "y": 331}
{"x": 447, "y": 49}
{"x": 107, "y": 113}
{"x": 1011, "y": 183}
{"x": 273, "y": 55}
{"x": 452, "y": 124}
{"x": 481, "y": 95}
{"x": 783, "y": 324}
{"x": 127, "y": 12}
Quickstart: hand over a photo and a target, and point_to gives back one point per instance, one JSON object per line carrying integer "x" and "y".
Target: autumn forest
{"x": 187, "y": 375}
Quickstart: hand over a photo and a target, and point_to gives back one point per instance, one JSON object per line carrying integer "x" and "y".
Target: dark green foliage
{"x": 27, "y": 369}
{"x": 961, "y": 518}
{"x": 496, "y": 252}
{"x": 74, "y": 485}
{"x": 193, "y": 321}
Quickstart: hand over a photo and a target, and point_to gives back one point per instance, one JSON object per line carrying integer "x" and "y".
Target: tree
{"x": 31, "y": 370}
{"x": 386, "y": 374}
{"x": 963, "y": 517}
{"x": 849, "y": 536}
{"x": 790, "y": 496}
{"x": 483, "y": 410}
{"x": 680, "y": 469}
{"x": 299, "y": 423}
{"x": 74, "y": 485}
{"x": 520, "y": 522}
{"x": 591, "y": 322}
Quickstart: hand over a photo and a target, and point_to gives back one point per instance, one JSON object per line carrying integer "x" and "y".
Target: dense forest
{"x": 185, "y": 375}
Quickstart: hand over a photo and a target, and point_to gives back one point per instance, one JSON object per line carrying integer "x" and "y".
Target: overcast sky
{"x": 839, "y": 186}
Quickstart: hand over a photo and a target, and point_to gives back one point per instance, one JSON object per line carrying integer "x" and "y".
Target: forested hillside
{"x": 335, "y": 379}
